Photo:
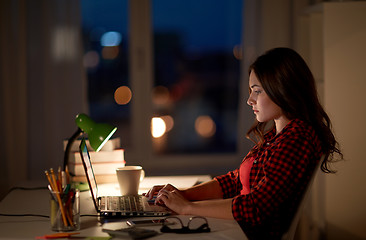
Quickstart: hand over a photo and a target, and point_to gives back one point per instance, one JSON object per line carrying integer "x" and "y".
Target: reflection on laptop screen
{"x": 89, "y": 169}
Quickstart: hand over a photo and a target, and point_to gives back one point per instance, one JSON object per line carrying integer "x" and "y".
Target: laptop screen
{"x": 89, "y": 171}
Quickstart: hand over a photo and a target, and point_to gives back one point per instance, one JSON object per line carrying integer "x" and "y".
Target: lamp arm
{"x": 68, "y": 146}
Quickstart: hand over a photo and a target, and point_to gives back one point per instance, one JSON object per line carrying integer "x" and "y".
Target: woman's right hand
{"x": 154, "y": 191}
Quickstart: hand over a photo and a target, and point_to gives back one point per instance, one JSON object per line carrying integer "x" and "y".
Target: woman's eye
{"x": 258, "y": 92}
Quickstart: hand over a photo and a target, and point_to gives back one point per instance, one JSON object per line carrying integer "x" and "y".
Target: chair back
{"x": 290, "y": 234}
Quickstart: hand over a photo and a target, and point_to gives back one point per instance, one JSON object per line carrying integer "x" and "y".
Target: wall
{"x": 332, "y": 40}
{"x": 344, "y": 27}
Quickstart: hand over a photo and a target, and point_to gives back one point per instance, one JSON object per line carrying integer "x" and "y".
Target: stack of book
{"x": 105, "y": 162}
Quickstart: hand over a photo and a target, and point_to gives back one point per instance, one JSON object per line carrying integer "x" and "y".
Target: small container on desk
{"x": 65, "y": 210}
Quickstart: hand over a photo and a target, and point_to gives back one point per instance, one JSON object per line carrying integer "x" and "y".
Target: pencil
{"x": 60, "y": 179}
{"x": 53, "y": 177}
{"x": 57, "y": 193}
{"x": 50, "y": 181}
{"x": 63, "y": 213}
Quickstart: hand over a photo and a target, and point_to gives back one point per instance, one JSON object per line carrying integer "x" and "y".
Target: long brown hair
{"x": 289, "y": 83}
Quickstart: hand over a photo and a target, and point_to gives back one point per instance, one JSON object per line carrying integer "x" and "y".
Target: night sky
{"x": 203, "y": 22}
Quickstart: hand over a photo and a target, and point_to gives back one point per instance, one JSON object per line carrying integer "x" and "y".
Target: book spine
{"x": 105, "y": 178}
{"x": 98, "y": 168}
{"x": 99, "y": 157}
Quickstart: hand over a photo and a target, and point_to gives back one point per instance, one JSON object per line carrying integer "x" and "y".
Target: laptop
{"x": 114, "y": 206}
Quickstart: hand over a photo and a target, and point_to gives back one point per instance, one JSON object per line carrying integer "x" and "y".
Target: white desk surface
{"x": 37, "y": 202}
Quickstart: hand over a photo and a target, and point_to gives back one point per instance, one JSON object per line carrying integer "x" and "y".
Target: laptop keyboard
{"x": 124, "y": 203}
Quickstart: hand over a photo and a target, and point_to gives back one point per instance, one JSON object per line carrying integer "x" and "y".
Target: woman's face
{"x": 264, "y": 108}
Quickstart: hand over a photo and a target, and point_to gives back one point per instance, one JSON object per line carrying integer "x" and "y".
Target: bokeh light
{"x": 158, "y": 127}
{"x": 91, "y": 59}
{"x": 169, "y": 122}
{"x": 110, "y": 52}
{"x": 123, "y": 95}
{"x": 205, "y": 126}
{"x": 111, "y": 39}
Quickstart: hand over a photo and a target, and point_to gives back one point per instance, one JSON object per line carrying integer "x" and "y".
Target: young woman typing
{"x": 291, "y": 133}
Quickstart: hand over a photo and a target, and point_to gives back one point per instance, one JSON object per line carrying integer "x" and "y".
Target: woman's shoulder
{"x": 300, "y": 137}
{"x": 298, "y": 126}
{"x": 299, "y": 131}
{"x": 296, "y": 134}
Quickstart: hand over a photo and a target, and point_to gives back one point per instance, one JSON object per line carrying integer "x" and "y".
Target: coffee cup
{"x": 129, "y": 178}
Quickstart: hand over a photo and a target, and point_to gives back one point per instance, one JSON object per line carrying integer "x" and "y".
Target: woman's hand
{"x": 173, "y": 199}
{"x": 154, "y": 191}
{"x": 169, "y": 196}
{"x": 198, "y": 200}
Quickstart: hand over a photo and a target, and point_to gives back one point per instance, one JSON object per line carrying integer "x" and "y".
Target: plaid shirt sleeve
{"x": 282, "y": 168}
{"x": 230, "y": 184}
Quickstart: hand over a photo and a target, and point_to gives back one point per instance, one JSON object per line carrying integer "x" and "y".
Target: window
{"x": 197, "y": 72}
{"x": 183, "y": 107}
{"x": 105, "y": 41}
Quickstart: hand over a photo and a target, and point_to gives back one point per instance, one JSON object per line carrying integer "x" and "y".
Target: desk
{"x": 37, "y": 202}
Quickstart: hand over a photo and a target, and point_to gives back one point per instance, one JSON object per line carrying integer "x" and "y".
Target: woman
{"x": 291, "y": 133}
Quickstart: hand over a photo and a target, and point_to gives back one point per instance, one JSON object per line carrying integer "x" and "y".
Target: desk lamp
{"x": 98, "y": 134}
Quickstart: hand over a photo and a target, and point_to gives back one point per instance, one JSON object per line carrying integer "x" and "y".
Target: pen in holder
{"x": 65, "y": 216}
{"x": 64, "y": 204}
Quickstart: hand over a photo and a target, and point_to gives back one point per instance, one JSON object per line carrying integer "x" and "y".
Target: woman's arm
{"x": 205, "y": 199}
{"x": 218, "y": 208}
{"x": 203, "y": 191}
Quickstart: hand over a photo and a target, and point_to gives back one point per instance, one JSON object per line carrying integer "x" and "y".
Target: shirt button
{"x": 255, "y": 161}
{"x": 268, "y": 144}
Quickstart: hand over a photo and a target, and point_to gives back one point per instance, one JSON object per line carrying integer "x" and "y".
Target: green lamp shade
{"x": 98, "y": 133}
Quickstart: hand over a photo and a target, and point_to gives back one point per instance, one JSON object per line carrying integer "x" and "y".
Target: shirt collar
{"x": 271, "y": 136}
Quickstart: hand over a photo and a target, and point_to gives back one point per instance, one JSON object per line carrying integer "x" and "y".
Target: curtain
{"x": 13, "y": 94}
{"x": 43, "y": 85}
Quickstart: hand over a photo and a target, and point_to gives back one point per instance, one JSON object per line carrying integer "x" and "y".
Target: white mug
{"x": 129, "y": 178}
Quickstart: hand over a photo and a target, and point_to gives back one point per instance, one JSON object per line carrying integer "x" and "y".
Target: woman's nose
{"x": 250, "y": 101}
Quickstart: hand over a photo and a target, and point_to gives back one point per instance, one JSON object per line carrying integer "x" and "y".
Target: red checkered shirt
{"x": 281, "y": 169}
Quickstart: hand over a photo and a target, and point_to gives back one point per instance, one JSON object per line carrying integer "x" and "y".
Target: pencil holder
{"x": 65, "y": 210}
